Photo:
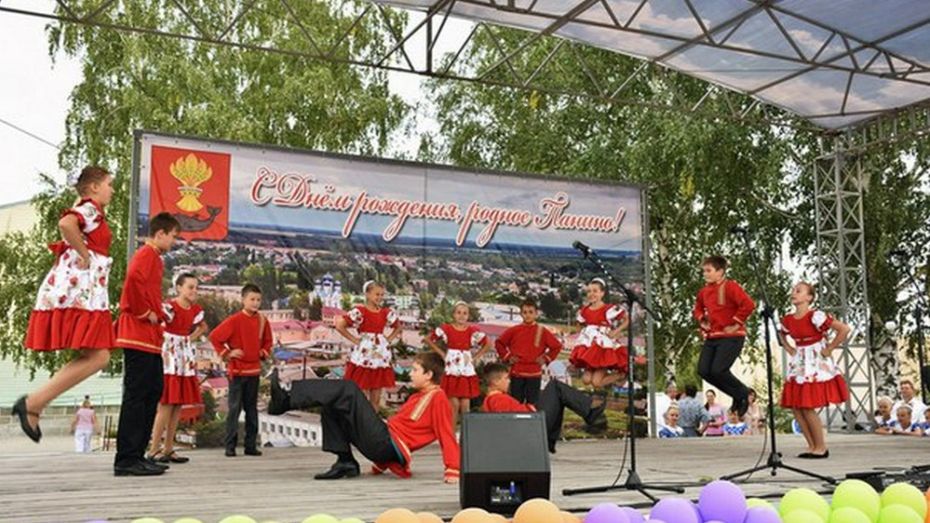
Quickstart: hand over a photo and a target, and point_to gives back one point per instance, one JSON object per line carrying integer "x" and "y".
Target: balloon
{"x": 237, "y": 518}
{"x": 764, "y": 515}
{"x": 429, "y": 517}
{"x": 472, "y": 515}
{"x": 497, "y": 518}
{"x": 722, "y": 501}
{"x": 899, "y": 514}
{"x": 907, "y": 495}
{"x": 187, "y": 520}
{"x": 849, "y": 515}
{"x": 634, "y": 515}
{"x": 607, "y": 513}
{"x": 857, "y": 494}
{"x": 804, "y": 498}
{"x": 538, "y": 511}
{"x": 568, "y": 517}
{"x": 676, "y": 510}
{"x": 802, "y": 516}
{"x": 320, "y": 518}
{"x": 394, "y": 515}
{"x": 757, "y": 502}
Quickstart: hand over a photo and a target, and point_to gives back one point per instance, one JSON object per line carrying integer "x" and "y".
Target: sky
{"x": 33, "y": 96}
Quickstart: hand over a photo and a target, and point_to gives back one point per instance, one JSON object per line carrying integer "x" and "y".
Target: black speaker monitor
{"x": 505, "y": 460}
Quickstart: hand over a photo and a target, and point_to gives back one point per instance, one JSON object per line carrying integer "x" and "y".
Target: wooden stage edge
{"x": 49, "y": 483}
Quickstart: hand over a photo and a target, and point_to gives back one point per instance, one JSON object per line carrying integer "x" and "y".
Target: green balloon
{"x": 802, "y": 516}
{"x": 899, "y": 514}
{"x": 320, "y": 518}
{"x": 237, "y": 518}
{"x": 187, "y": 520}
{"x": 757, "y": 502}
{"x": 907, "y": 495}
{"x": 858, "y": 494}
{"x": 849, "y": 515}
{"x": 803, "y": 498}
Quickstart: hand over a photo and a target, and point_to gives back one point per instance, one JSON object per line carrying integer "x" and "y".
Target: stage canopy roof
{"x": 835, "y": 63}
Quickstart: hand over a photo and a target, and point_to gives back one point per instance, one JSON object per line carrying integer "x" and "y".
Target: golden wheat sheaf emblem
{"x": 191, "y": 172}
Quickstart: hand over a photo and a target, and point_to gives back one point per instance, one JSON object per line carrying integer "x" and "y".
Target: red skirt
{"x": 814, "y": 395}
{"x": 460, "y": 386}
{"x": 180, "y": 390}
{"x": 368, "y": 379}
{"x": 596, "y": 357}
{"x": 58, "y": 329}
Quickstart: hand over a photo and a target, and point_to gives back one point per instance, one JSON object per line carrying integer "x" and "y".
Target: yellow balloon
{"x": 429, "y": 517}
{"x": 187, "y": 520}
{"x": 568, "y": 517}
{"x": 398, "y": 515}
{"x": 320, "y": 518}
{"x": 538, "y": 511}
{"x": 472, "y": 515}
{"x": 237, "y": 518}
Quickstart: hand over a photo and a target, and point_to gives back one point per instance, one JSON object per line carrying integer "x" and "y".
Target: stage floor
{"x": 47, "y": 483}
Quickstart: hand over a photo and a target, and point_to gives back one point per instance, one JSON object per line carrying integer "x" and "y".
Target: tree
{"x": 315, "y": 313}
{"x": 135, "y": 81}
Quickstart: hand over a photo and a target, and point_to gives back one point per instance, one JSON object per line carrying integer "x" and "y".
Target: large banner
{"x": 311, "y": 228}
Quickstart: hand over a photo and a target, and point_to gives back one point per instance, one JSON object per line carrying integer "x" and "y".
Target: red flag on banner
{"x": 194, "y": 187}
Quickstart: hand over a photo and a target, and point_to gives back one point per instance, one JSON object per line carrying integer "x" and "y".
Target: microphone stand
{"x": 633, "y": 481}
{"x": 774, "y": 461}
{"x": 924, "y": 371}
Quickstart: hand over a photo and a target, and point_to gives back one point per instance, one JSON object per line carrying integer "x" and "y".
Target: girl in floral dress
{"x": 597, "y": 352}
{"x": 184, "y": 326}
{"x": 72, "y": 309}
{"x": 459, "y": 381}
{"x": 369, "y": 363}
{"x": 813, "y": 379}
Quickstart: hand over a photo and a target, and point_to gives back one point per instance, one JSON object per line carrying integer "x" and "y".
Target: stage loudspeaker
{"x": 505, "y": 460}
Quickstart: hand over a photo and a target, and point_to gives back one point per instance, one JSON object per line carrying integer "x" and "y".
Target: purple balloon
{"x": 606, "y": 513}
{"x": 634, "y": 515}
{"x": 722, "y": 501}
{"x": 762, "y": 515}
{"x": 674, "y": 510}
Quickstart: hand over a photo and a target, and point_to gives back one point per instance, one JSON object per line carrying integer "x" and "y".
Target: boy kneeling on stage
{"x": 349, "y": 419}
{"x": 555, "y": 398}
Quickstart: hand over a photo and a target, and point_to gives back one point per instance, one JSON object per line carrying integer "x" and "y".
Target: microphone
{"x": 584, "y": 249}
{"x": 736, "y": 229}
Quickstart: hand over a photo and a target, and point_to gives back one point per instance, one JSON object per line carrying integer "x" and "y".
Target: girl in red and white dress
{"x": 597, "y": 351}
{"x": 813, "y": 379}
{"x": 369, "y": 363}
{"x": 459, "y": 381}
{"x": 72, "y": 310}
{"x": 184, "y": 326}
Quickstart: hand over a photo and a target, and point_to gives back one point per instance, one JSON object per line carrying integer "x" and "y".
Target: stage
{"x": 49, "y": 483}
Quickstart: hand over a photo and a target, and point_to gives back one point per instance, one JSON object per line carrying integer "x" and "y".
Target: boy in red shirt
{"x": 556, "y": 397}
{"x": 349, "y": 419}
{"x": 243, "y": 340}
{"x": 527, "y": 347}
{"x": 721, "y": 310}
{"x": 139, "y": 333}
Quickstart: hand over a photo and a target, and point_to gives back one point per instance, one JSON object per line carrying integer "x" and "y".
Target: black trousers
{"x": 717, "y": 356}
{"x": 142, "y": 386}
{"x": 348, "y": 418}
{"x": 525, "y": 390}
{"x": 557, "y": 397}
{"x": 243, "y": 395}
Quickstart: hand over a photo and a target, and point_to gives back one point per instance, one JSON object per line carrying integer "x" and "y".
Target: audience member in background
{"x": 909, "y": 398}
{"x": 734, "y": 426}
{"x": 925, "y": 426}
{"x": 717, "y": 413}
{"x": 671, "y": 429}
{"x": 692, "y": 414}
{"x": 664, "y": 401}
{"x": 84, "y": 426}
{"x": 755, "y": 416}
{"x": 883, "y": 419}
{"x": 904, "y": 425}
